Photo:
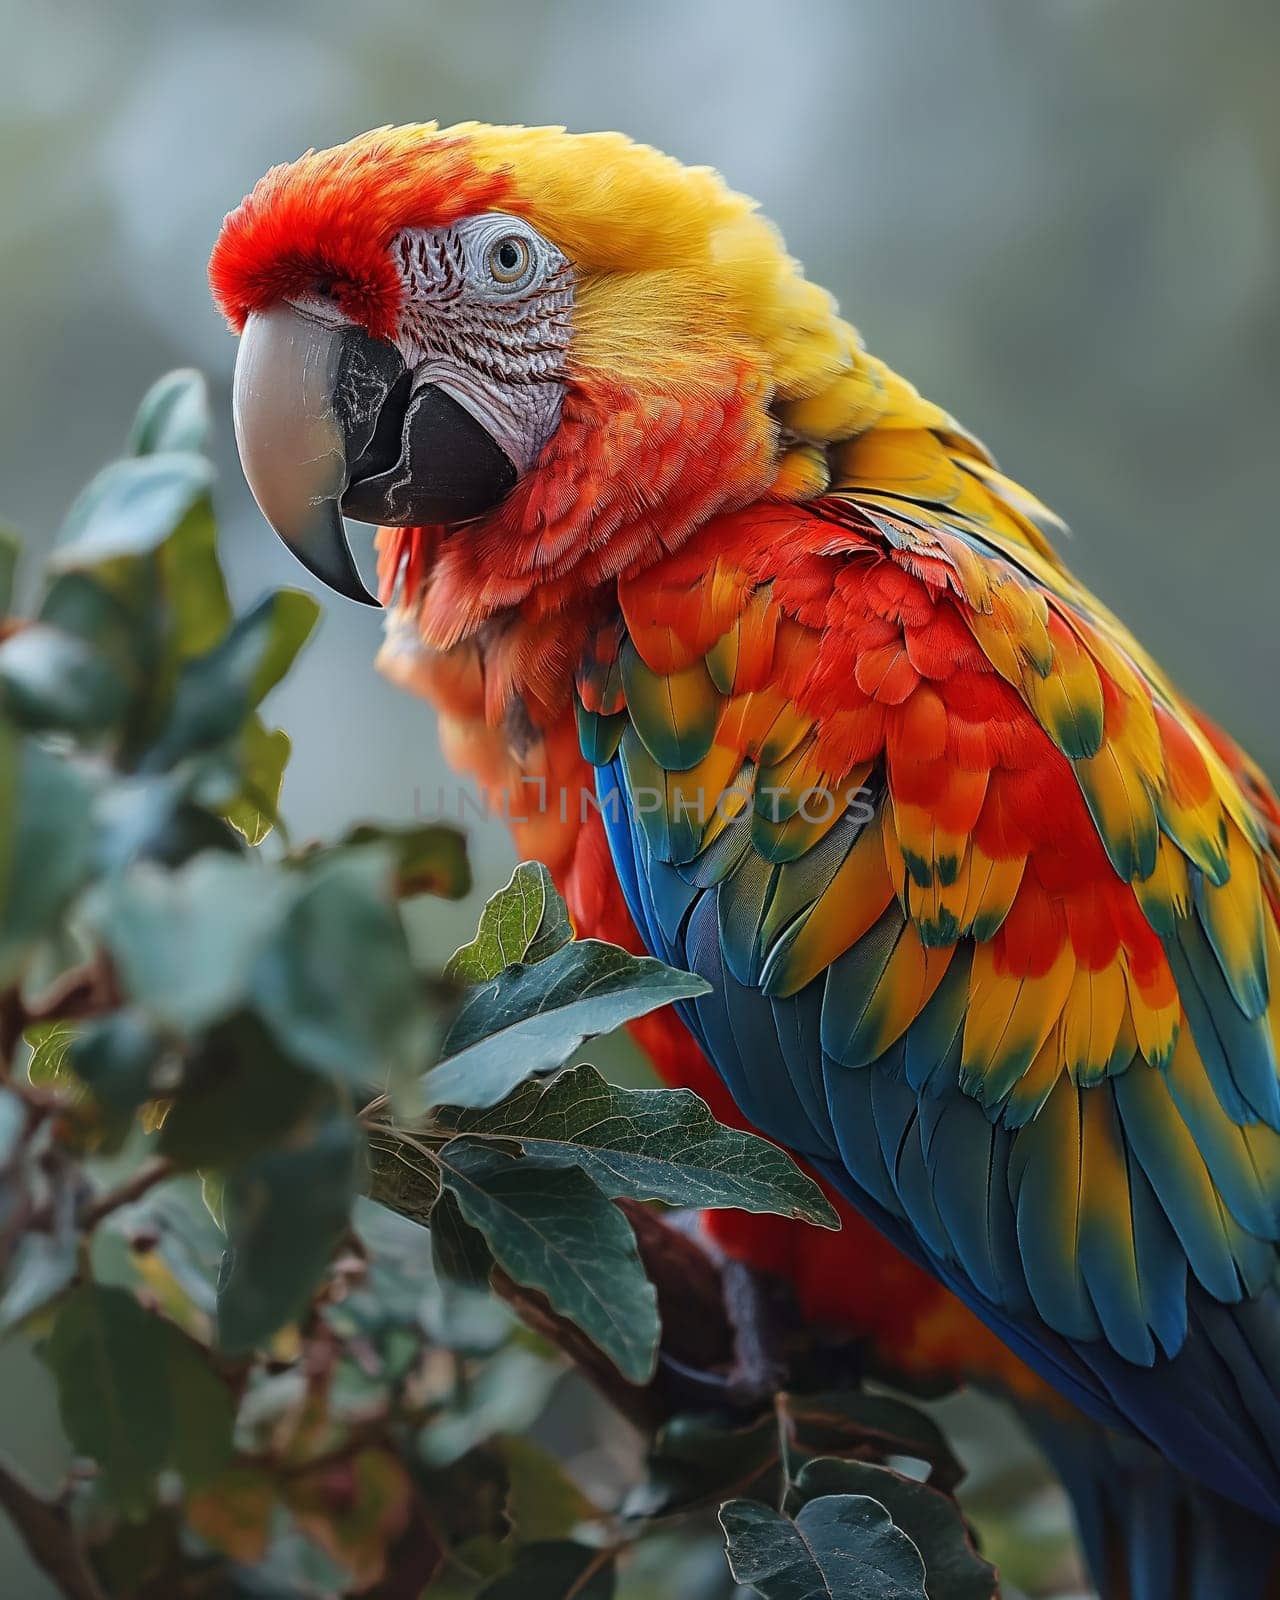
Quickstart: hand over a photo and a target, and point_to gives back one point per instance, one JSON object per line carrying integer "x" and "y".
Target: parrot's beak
{"x": 328, "y": 421}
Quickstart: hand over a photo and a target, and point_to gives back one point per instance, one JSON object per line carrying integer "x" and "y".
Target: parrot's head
{"x": 549, "y": 355}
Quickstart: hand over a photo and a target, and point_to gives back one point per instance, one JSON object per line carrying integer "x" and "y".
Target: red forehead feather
{"x": 330, "y": 215}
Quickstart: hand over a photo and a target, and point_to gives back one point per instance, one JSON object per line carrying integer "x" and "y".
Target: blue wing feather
{"x": 954, "y": 1190}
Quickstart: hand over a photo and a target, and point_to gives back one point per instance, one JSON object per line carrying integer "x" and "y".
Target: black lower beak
{"x": 328, "y": 422}
{"x": 429, "y": 461}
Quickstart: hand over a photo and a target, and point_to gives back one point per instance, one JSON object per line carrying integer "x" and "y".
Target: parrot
{"x": 787, "y": 684}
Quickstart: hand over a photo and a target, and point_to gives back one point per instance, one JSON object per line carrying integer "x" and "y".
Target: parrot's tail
{"x": 1148, "y": 1531}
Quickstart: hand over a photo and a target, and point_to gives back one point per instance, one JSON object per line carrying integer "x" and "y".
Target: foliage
{"x": 260, "y": 1173}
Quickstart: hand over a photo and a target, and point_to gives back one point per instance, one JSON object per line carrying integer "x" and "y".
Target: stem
{"x": 782, "y": 1418}
{"x": 84, "y": 991}
{"x": 377, "y": 1105}
{"x": 601, "y": 1559}
{"x": 125, "y": 1193}
{"x": 45, "y": 1529}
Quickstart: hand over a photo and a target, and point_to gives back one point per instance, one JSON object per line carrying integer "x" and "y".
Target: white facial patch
{"x": 487, "y": 318}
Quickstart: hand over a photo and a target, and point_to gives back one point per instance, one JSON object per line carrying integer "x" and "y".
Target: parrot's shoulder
{"x": 882, "y": 620}
{"x": 913, "y": 792}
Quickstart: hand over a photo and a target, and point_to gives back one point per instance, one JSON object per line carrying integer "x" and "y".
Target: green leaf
{"x": 459, "y": 1253}
{"x": 263, "y": 755}
{"x": 130, "y": 509}
{"x": 543, "y": 1500}
{"x": 468, "y": 1497}
{"x": 116, "y": 1057}
{"x": 216, "y": 691}
{"x": 337, "y": 985}
{"x": 50, "y": 1043}
{"x": 531, "y": 1019}
{"x": 554, "y": 1570}
{"x": 239, "y": 1095}
{"x": 133, "y": 1555}
{"x": 284, "y": 1212}
{"x": 837, "y": 1547}
{"x": 401, "y": 1177}
{"x": 204, "y": 1410}
{"x": 553, "y": 1230}
{"x": 649, "y": 1144}
{"x": 403, "y": 1289}
{"x": 554, "y": 930}
{"x": 953, "y": 1568}
{"x": 10, "y": 550}
{"x": 173, "y": 415}
{"x": 525, "y": 921}
{"x": 111, "y": 619}
{"x": 46, "y": 848}
{"x": 135, "y": 1395}
{"x": 46, "y": 1259}
{"x": 699, "y": 1457}
{"x": 844, "y": 1420}
{"x": 43, "y": 1266}
{"x": 199, "y": 608}
{"x": 428, "y": 859}
{"x": 186, "y": 941}
{"x": 52, "y": 680}
{"x": 139, "y": 581}
{"x": 179, "y": 1271}
{"x": 155, "y": 819}
{"x": 506, "y": 1394}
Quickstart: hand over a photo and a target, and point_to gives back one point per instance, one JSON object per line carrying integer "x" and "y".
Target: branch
{"x": 45, "y": 1529}
{"x": 125, "y": 1193}
{"x": 84, "y": 991}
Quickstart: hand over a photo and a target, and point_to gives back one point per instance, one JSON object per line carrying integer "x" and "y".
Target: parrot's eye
{"x": 508, "y": 260}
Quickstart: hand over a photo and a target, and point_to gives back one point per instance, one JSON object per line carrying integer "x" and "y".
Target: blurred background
{"x": 1062, "y": 220}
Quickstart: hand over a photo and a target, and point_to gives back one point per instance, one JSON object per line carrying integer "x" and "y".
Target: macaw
{"x": 786, "y": 682}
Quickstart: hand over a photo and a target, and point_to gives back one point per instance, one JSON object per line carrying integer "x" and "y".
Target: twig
{"x": 601, "y": 1559}
{"x": 132, "y": 1188}
{"x": 84, "y": 991}
{"x": 45, "y": 1528}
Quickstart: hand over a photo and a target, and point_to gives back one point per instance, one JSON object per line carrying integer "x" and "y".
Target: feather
{"x": 933, "y": 1042}
{"x": 1067, "y": 699}
{"x": 967, "y": 1159}
{"x": 877, "y": 988}
{"x": 1107, "y": 1243}
{"x": 1236, "y": 1052}
{"x": 1009, "y": 1019}
{"x": 1122, "y": 808}
{"x": 1219, "y": 1252}
{"x": 851, "y": 904}
{"x": 1092, "y": 1015}
{"x": 1045, "y": 1179}
{"x": 674, "y": 715}
{"x": 1232, "y": 916}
